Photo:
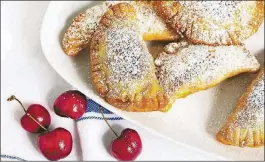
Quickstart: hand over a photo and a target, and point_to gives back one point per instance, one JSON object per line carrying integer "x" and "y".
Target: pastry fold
{"x": 245, "y": 126}
{"x": 79, "y": 33}
{"x": 183, "y": 68}
{"x": 213, "y": 22}
{"x": 123, "y": 70}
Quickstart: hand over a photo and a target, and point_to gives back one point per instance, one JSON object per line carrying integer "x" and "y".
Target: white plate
{"x": 192, "y": 121}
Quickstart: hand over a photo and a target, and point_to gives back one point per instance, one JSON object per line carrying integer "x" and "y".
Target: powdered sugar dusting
{"x": 253, "y": 114}
{"x": 199, "y": 66}
{"x": 79, "y": 34}
{"x": 127, "y": 58}
{"x": 148, "y": 20}
{"x": 125, "y": 55}
{"x": 82, "y": 28}
{"x": 93, "y": 16}
{"x": 245, "y": 126}
{"x": 220, "y": 11}
{"x": 215, "y": 22}
{"x": 224, "y": 100}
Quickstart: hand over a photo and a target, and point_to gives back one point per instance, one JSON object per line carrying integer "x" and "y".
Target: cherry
{"x": 56, "y": 144}
{"x": 127, "y": 146}
{"x": 70, "y": 104}
{"x": 36, "y": 119}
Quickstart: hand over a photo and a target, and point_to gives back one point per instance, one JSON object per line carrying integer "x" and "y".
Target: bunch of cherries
{"x": 57, "y": 144}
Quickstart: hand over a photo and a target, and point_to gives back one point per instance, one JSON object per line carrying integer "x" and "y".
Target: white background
{"x": 26, "y": 74}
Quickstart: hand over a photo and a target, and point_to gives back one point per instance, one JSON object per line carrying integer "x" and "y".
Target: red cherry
{"x": 56, "y": 144}
{"x": 70, "y": 104}
{"x": 36, "y": 119}
{"x": 127, "y": 146}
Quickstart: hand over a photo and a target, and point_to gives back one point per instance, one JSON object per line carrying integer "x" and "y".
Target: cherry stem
{"x": 11, "y": 98}
{"x": 37, "y": 122}
{"x": 101, "y": 111}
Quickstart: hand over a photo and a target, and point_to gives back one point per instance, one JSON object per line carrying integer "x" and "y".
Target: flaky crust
{"x": 78, "y": 35}
{"x": 200, "y": 29}
{"x": 75, "y": 38}
{"x": 251, "y": 136}
{"x": 148, "y": 96}
{"x": 183, "y": 68}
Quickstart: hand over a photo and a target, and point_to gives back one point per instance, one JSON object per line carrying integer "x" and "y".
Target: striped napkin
{"x": 95, "y": 135}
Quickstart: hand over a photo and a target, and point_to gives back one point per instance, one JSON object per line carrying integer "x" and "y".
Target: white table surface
{"x": 26, "y": 74}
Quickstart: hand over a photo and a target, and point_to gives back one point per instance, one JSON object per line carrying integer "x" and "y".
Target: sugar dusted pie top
{"x": 221, "y": 11}
{"x": 148, "y": 22}
{"x": 253, "y": 113}
{"x": 128, "y": 61}
{"x": 213, "y": 22}
{"x": 126, "y": 55}
{"x": 192, "y": 65}
{"x": 82, "y": 28}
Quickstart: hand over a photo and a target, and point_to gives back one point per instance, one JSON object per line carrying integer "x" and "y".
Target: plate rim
{"x": 104, "y": 103}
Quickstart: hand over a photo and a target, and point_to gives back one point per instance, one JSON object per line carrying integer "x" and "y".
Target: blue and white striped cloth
{"x": 93, "y": 112}
{"x": 95, "y": 135}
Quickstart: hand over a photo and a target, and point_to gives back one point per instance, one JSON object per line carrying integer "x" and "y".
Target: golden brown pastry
{"x": 80, "y": 32}
{"x": 213, "y": 22}
{"x": 183, "y": 69}
{"x": 123, "y": 70}
{"x": 245, "y": 126}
